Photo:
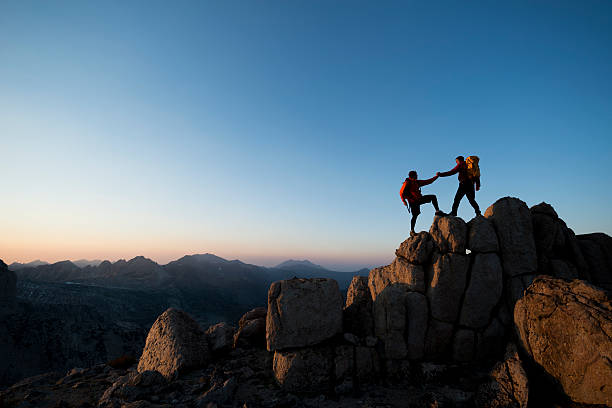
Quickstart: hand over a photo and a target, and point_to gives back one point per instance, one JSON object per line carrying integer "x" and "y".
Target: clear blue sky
{"x": 267, "y": 130}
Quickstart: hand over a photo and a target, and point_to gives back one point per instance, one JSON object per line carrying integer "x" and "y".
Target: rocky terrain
{"x": 507, "y": 310}
{"x": 80, "y": 316}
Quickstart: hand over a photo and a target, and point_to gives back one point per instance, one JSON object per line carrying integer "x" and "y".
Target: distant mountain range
{"x": 208, "y": 286}
{"x": 204, "y": 269}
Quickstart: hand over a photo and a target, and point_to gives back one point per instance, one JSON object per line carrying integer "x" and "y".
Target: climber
{"x": 411, "y": 191}
{"x": 466, "y": 185}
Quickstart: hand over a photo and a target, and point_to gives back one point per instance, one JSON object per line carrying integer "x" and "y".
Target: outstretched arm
{"x": 455, "y": 170}
{"x": 426, "y": 182}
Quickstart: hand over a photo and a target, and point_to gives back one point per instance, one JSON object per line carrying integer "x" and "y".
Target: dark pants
{"x": 466, "y": 188}
{"x": 416, "y": 207}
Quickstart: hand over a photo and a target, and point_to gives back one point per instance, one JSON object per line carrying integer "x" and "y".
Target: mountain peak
{"x": 292, "y": 263}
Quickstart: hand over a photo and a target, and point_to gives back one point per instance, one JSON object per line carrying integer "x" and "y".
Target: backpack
{"x": 405, "y": 191}
{"x": 473, "y": 171}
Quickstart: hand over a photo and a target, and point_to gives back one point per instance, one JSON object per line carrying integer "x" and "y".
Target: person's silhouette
{"x": 411, "y": 192}
{"x": 466, "y": 185}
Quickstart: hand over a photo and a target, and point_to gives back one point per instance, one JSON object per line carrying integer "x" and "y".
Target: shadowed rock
{"x": 512, "y": 221}
{"x": 463, "y": 345}
{"x": 390, "y": 321}
{"x": 481, "y": 235}
{"x": 220, "y": 337}
{"x": 417, "y": 311}
{"x": 597, "y": 250}
{"x": 483, "y": 292}
{"x": 252, "y": 329}
{"x": 447, "y": 282}
{"x": 174, "y": 344}
{"x": 508, "y": 386}
{"x": 357, "y": 314}
{"x": 438, "y": 339}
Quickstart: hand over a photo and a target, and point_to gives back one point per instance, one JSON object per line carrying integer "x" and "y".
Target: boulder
{"x": 417, "y": 249}
{"x": 445, "y": 289}
{"x": 399, "y": 272}
{"x": 483, "y": 292}
{"x": 220, "y": 337}
{"x": 512, "y": 221}
{"x": 566, "y": 328}
{"x": 463, "y": 345}
{"x": 357, "y": 314}
{"x": 508, "y": 386}
{"x": 8, "y": 285}
{"x": 450, "y": 234}
{"x": 481, "y": 235}
{"x": 417, "y": 312}
{"x": 306, "y": 370}
{"x": 174, "y": 344}
{"x": 302, "y": 312}
{"x": 390, "y": 321}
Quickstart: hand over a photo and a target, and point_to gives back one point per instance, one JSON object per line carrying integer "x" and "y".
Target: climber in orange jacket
{"x": 411, "y": 192}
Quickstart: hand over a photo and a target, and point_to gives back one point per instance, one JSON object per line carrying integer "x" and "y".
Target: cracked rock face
{"x": 450, "y": 234}
{"x": 566, "y": 327}
{"x": 302, "y": 312}
{"x": 512, "y": 221}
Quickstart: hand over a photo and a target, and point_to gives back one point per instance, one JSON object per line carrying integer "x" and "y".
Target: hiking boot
{"x": 441, "y": 214}
{"x": 412, "y": 233}
{"x": 452, "y": 214}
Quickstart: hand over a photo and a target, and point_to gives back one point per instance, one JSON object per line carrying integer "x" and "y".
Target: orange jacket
{"x": 411, "y": 189}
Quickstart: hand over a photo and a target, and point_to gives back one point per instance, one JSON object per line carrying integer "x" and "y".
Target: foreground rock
{"x": 174, "y": 344}
{"x": 302, "y": 312}
{"x": 566, "y": 327}
{"x": 305, "y": 370}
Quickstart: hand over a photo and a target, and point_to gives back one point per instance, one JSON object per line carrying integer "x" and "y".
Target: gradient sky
{"x": 267, "y": 130}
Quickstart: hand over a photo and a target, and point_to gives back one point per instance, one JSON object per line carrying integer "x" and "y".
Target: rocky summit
{"x": 506, "y": 310}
